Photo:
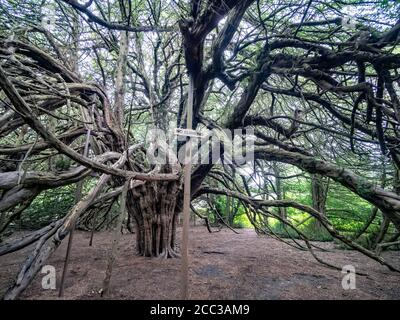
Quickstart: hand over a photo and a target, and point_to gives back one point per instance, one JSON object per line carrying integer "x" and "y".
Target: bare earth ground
{"x": 224, "y": 265}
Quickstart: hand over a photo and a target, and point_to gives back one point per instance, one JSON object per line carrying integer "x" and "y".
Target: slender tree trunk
{"x": 120, "y": 77}
{"x": 319, "y": 192}
{"x": 385, "y": 223}
{"x": 279, "y": 189}
{"x": 380, "y": 236}
{"x": 396, "y": 182}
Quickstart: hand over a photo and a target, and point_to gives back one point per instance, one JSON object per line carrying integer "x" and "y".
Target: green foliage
{"x": 346, "y": 211}
{"x": 62, "y": 163}
{"x": 241, "y": 221}
{"x": 49, "y": 206}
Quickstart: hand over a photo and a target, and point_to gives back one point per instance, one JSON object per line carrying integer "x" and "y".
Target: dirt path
{"x": 224, "y": 265}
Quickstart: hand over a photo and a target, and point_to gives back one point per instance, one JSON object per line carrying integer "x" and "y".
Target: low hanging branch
{"x": 388, "y": 202}
{"x": 257, "y": 204}
{"x": 51, "y": 240}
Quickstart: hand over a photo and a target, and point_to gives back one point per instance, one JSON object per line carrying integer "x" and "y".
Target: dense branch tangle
{"x": 320, "y": 92}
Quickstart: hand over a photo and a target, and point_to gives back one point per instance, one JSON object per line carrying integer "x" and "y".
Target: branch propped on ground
{"x": 51, "y": 240}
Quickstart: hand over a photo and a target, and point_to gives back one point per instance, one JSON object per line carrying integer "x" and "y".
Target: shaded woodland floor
{"x": 224, "y": 265}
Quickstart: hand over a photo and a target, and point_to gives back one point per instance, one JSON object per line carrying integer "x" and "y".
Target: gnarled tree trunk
{"x": 153, "y": 206}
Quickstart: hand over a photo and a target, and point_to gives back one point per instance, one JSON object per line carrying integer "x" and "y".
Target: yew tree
{"x": 84, "y": 83}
